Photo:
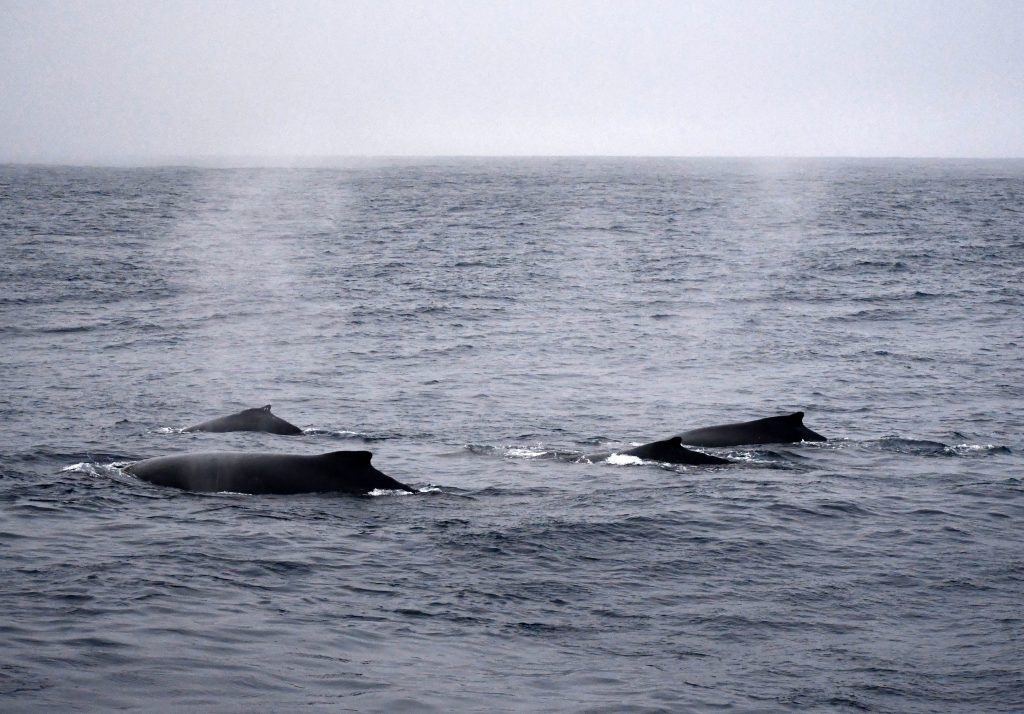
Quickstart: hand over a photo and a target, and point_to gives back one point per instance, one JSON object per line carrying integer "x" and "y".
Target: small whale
{"x": 255, "y": 419}
{"x": 784, "y": 429}
{"x": 669, "y": 451}
{"x": 258, "y": 473}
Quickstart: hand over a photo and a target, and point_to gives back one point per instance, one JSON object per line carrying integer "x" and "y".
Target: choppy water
{"x": 467, "y": 321}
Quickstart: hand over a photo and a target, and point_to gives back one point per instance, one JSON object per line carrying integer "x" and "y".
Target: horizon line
{"x": 324, "y": 160}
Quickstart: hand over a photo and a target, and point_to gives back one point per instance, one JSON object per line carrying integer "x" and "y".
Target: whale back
{"x": 338, "y": 471}
{"x": 355, "y": 469}
{"x": 672, "y": 451}
{"x": 255, "y": 419}
{"x": 782, "y": 429}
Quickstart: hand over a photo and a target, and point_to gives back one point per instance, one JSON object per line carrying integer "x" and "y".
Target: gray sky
{"x": 104, "y": 81}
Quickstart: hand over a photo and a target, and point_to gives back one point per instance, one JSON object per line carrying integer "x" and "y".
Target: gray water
{"x": 478, "y": 324}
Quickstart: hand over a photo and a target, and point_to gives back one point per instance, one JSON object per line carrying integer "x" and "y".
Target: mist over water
{"x": 479, "y": 325}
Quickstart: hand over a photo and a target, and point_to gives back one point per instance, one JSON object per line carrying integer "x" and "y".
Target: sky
{"x": 94, "y": 81}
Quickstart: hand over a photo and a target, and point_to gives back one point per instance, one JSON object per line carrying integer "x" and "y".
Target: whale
{"x": 266, "y": 473}
{"x": 669, "y": 451}
{"x": 255, "y": 419}
{"x": 783, "y": 429}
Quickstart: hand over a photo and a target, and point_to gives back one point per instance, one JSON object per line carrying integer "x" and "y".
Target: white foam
{"x": 388, "y": 492}
{"x": 624, "y": 460}
{"x": 94, "y": 469}
{"x": 524, "y": 453}
{"x": 967, "y": 448}
{"x": 748, "y": 456}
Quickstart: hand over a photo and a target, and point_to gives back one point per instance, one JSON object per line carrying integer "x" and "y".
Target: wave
{"x": 925, "y": 447}
{"x": 521, "y": 452}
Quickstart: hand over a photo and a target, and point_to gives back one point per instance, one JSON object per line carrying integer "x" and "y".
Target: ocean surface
{"x": 479, "y": 325}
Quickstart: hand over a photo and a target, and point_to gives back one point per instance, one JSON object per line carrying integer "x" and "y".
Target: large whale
{"x": 344, "y": 471}
{"x": 669, "y": 451}
{"x": 256, "y": 419}
{"x": 784, "y": 429}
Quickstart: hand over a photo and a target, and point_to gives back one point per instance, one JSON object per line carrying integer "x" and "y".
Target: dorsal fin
{"x": 675, "y": 441}
{"x": 797, "y": 416}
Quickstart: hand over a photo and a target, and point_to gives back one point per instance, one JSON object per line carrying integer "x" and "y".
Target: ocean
{"x": 480, "y": 324}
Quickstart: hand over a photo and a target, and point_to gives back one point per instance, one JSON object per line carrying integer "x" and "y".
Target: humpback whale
{"x": 783, "y": 429}
{"x": 256, "y": 419}
{"x": 240, "y": 472}
{"x": 669, "y": 451}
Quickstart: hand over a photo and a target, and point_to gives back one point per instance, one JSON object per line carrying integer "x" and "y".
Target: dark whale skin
{"x": 784, "y": 429}
{"x": 262, "y": 473}
{"x": 255, "y": 419}
{"x": 669, "y": 451}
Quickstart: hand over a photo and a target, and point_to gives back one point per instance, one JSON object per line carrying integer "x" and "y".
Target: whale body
{"x": 669, "y": 451}
{"x": 242, "y": 472}
{"x": 784, "y": 429}
{"x": 256, "y": 419}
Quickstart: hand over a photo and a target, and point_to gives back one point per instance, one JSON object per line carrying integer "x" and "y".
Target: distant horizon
{"x": 327, "y": 161}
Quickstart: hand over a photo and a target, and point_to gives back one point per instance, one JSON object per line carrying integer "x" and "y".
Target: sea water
{"x": 480, "y": 324}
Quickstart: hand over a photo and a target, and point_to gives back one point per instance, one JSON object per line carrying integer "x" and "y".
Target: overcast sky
{"x": 106, "y": 81}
